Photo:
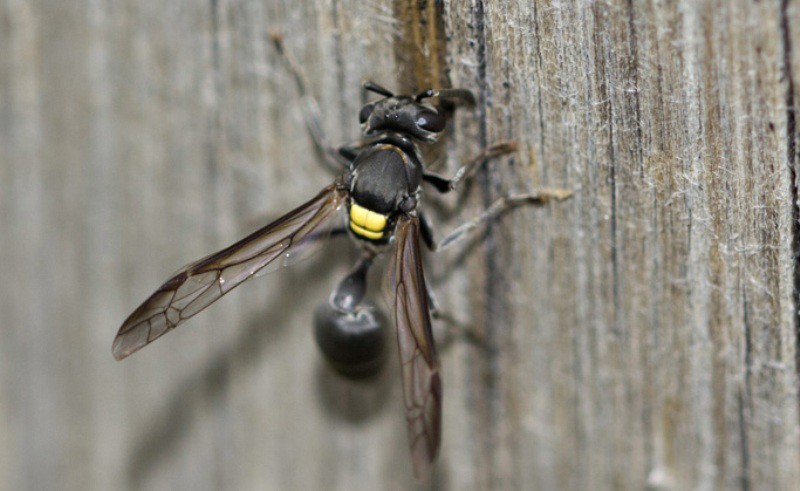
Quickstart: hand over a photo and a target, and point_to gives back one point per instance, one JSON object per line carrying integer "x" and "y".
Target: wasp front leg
{"x": 495, "y": 210}
{"x": 336, "y": 158}
{"x": 444, "y": 185}
{"x": 466, "y": 171}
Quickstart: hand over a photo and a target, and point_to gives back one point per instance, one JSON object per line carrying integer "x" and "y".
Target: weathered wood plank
{"x": 642, "y": 334}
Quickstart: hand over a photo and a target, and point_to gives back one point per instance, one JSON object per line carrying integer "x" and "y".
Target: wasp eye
{"x": 365, "y": 112}
{"x": 431, "y": 121}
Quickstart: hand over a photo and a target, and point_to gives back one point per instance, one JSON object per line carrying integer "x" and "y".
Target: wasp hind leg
{"x": 453, "y": 329}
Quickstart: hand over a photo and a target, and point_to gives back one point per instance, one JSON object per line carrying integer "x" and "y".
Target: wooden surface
{"x": 642, "y": 335}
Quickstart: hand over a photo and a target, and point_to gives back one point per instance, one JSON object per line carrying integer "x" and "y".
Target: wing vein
{"x": 420, "y": 367}
{"x": 192, "y": 289}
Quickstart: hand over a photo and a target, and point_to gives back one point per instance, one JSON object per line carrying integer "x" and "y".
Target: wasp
{"x": 380, "y": 190}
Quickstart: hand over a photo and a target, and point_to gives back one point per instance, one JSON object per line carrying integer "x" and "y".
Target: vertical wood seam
{"x": 338, "y": 52}
{"x": 745, "y": 395}
{"x": 488, "y": 383}
{"x": 791, "y": 160}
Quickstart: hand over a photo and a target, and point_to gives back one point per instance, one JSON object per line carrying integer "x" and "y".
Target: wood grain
{"x": 643, "y": 334}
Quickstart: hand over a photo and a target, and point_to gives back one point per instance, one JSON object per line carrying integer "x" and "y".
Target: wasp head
{"x": 402, "y": 114}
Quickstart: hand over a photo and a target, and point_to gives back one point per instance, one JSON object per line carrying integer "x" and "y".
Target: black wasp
{"x": 380, "y": 190}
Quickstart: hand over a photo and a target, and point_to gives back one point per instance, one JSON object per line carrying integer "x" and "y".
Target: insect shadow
{"x": 350, "y": 401}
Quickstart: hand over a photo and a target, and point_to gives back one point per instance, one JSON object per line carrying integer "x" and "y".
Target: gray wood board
{"x": 642, "y": 334}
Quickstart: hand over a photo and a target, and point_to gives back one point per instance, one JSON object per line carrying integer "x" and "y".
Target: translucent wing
{"x": 422, "y": 388}
{"x": 200, "y": 284}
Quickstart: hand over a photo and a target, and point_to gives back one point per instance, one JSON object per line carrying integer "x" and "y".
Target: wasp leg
{"x": 336, "y": 232}
{"x": 335, "y": 158}
{"x": 455, "y": 331}
{"x": 444, "y": 185}
{"x": 426, "y": 231}
{"x": 453, "y": 328}
{"x": 349, "y": 151}
{"x": 464, "y": 96}
{"x": 499, "y": 207}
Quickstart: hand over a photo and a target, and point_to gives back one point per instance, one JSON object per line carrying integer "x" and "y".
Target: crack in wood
{"x": 791, "y": 160}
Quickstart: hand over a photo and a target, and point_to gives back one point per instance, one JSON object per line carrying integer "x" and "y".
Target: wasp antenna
{"x": 426, "y": 94}
{"x": 465, "y": 96}
{"x": 373, "y": 87}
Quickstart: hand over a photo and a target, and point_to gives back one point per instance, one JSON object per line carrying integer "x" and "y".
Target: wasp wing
{"x": 422, "y": 388}
{"x": 200, "y": 284}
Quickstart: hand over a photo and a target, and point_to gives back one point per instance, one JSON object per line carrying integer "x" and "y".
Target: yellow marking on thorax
{"x": 366, "y": 223}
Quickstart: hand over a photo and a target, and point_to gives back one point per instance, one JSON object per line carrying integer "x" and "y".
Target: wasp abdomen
{"x": 366, "y": 223}
{"x": 354, "y": 343}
